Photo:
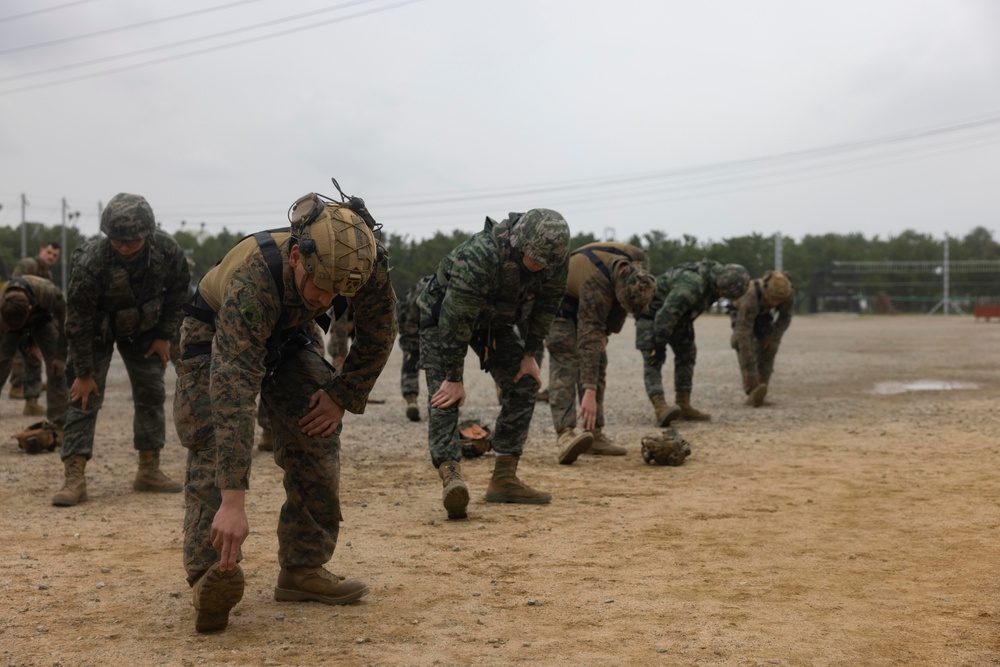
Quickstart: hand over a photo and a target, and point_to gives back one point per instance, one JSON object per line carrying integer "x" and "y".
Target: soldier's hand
{"x": 587, "y": 415}
{"x": 530, "y": 368}
{"x": 161, "y": 348}
{"x": 230, "y": 527}
{"x": 448, "y": 394}
{"x": 81, "y": 389}
{"x": 58, "y": 369}
{"x": 325, "y": 416}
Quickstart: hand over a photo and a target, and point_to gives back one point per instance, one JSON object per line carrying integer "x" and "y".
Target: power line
{"x": 43, "y": 11}
{"x": 199, "y": 52}
{"x": 108, "y": 31}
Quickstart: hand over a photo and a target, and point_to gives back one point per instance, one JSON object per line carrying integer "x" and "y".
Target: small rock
{"x": 479, "y": 621}
{"x": 661, "y": 650}
{"x": 476, "y": 594}
{"x": 100, "y": 584}
{"x": 609, "y": 601}
{"x": 362, "y": 640}
{"x": 43, "y": 587}
{"x": 532, "y": 603}
{"x": 430, "y": 522}
{"x": 105, "y": 570}
{"x": 456, "y": 548}
{"x": 41, "y": 628}
{"x": 279, "y": 617}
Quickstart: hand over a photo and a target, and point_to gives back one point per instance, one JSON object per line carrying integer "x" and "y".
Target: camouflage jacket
{"x": 754, "y": 317}
{"x": 408, "y": 315}
{"x": 682, "y": 294}
{"x": 47, "y": 304}
{"x": 590, "y": 292}
{"x": 31, "y": 266}
{"x": 134, "y": 301}
{"x": 250, "y": 309}
{"x": 485, "y": 285}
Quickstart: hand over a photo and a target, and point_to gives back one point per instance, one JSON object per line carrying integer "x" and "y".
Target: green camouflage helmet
{"x": 634, "y": 288}
{"x": 732, "y": 280}
{"x": 127, "y": 218}
{"x": 338, "y": 248}
{"x": 541, "y": 235}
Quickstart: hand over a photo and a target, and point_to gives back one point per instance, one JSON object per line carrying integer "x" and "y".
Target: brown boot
{"x": 215, "y": 594}
{"x": 756, "y": 397}
{"x": 505, "y": 487}
{"x": 572, "y": 445}
{"x": 688, "y": 412}
{"x": 603, "y": 446}
{"x": 412, "y": 408}
{"x": 74, "y": 489}
{"x": 665, "y": 412}
{"x": 32, "y": 408}
{"x": 542, "y": 396}
{"x": 455, "y": 494}
{"x": 300, "y": 584}
{"x": 266, "y": 442}
{"x": 149, "y": 477}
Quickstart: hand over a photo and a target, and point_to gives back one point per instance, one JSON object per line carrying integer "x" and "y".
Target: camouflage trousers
{"x": 761, "y": 360}
{"x": 517, "y": 402}
{"x": 309, "y": 521}
{"x": 148, "y": 395}
{"x": 409, "y": 376}
{"x": 26, "y": 372}
{"x": 564, "y": 375}
{"x": 685, "y": 354}
{"x": 53, "y": 349}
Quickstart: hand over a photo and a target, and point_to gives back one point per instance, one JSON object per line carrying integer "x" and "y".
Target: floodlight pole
{"x": 946, "y": 301}
{"x": 24, "y": 225}
{"x": 777, "y": 252}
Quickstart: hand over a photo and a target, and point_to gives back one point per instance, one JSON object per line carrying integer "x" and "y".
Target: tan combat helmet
{"x": 777, "y": 287}
{"x": 338, "y": 247}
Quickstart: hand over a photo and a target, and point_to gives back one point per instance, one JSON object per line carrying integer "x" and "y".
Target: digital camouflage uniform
{"x": 758, "y": 327}
{"x": 475, "y": 299}
{"x": 46, "y": 329}
{"x": 129, "y": 304}
{"x": 590, "y": 312}
{"x": 682, "y": 294}
{"x": 341, "y": 335}
{"x": 27, "y": 371}
{"x": 408, "y": 317}
{"x": 225, "y": 362}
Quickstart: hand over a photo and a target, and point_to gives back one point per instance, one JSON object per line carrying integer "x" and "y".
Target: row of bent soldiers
{"x": 250, "y": 332}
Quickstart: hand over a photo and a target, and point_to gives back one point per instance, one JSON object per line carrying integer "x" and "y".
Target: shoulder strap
{"x": 18, "y": 281}
{"x": 591, "y": 254}
{"x": 272, "y": 256}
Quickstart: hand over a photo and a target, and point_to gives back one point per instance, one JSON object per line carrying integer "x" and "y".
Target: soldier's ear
{"x": 294, "y": 256}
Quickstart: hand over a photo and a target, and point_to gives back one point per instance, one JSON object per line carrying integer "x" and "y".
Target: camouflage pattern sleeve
{"x": 596, "y": 300}
{"x": 84, "y": 322}
{"x": 684, "y": 296}
{"x": 474, "y": 268}
{"x": 543, "y": 310}
{"x": 374, "y": 335}
{"x": 50, "y": 298}
{"x": 176, "y": 286}
{"x": 26, "y": 267}
{"x": 249, "y": 312}
{"x": 782, "y": 323}
{"x": 746, "y": 349}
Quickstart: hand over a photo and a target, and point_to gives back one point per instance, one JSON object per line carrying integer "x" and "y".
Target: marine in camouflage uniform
{"x": 33, "y": 311}
{"x": 682, "y": 294}
{"x": 607, "y": 281}
{"x": 26, "y": 372}
{"x": 251, "y": 329}
{"x": 478, "y": 294}
{"x": 125, "y": 291}
{"x": 408, "y": 317}
{"x": 760, "y": 319}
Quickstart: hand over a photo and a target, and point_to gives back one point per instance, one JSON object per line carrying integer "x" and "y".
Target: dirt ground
{"x": 835, "y": 526}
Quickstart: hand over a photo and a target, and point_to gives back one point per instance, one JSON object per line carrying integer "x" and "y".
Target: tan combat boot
{"x": 32, "y": 408}
{"x": 603, "y": 446}
{"x": 665, "y": 412}
{"x": 412, "y": 408}
{"x": 266, "y": 442}
{"x": 505, "y": 487}
{"x": 315, "y": 584}
{"x": 688, "y": 412}
{"x": 215, "y": 594}
{"x": 74, "y": 489}
{"x": 572, "y": 445}
{"x": 542, "y": 396}
{"x": 455, "y": 494}
{"x": 149, "y": 477}
{"x": 756, "y": 397}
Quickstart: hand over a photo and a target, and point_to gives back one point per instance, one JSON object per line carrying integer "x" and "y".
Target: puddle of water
{"x": 886, "y": 388}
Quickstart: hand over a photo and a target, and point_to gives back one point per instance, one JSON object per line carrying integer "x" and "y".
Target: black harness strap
{"x": 591, "y": 254}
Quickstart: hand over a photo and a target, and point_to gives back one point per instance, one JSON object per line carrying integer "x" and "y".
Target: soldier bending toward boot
{"x": 33, "y": 312}
{"x": 607, "y": 281}
{"x": 761, "y": 317}
{"x": 251, "y": 328}
{"x": 474, "y": 300}
{"x": 126, "y": 290}
{"x": 682, "y": 294}
{"x": 26, "y": 371}
{"x": 408, "y": 317}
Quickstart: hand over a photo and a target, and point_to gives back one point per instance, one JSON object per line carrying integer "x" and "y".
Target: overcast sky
{"x": 712, "y": 118}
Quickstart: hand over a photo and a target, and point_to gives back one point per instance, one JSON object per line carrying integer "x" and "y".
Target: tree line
{"x": 803, "y": 260}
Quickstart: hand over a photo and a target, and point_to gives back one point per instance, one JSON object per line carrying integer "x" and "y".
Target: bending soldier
{"x": 125, "y": 291}
{"x": 474, "y": 300}
{"x": 682, "y": 294}
{"x": 26, "y": 372}
{"x": 760, "y": 319}
{"x": 607, "y": 281}
{"x": 408, "y": 317}
{"x": 251, "y": 329}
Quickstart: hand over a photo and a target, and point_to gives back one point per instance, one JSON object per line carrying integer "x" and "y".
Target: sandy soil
{"x": 836, "y": 526}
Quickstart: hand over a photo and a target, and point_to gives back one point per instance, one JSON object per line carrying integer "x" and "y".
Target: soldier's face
{"x": 128, "y": 249}
{"x": 532, "y": 265}
{"x": 48, "y": 255}
{"x": 313, "y": 297}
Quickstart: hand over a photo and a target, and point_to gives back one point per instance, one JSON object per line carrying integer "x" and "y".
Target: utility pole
{"x": 24, "y": 225}
{"x": 778, "y": 259}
